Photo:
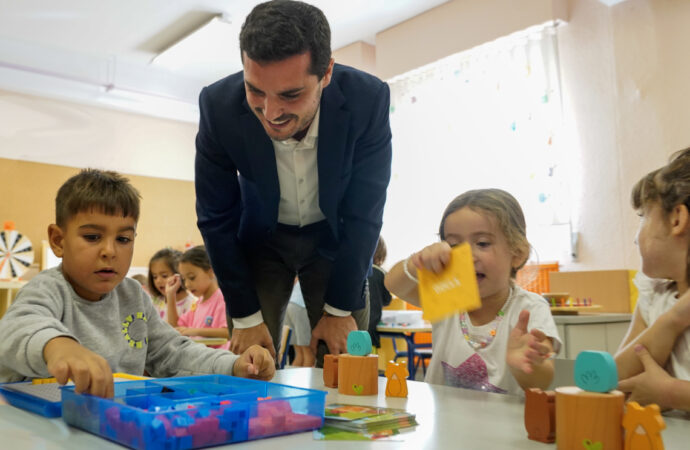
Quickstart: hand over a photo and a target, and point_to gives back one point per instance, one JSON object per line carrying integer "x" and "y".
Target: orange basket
{"x": 535, "y": 277}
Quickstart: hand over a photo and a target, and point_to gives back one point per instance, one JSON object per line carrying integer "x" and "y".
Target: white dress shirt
{"x": 298, "y": 177}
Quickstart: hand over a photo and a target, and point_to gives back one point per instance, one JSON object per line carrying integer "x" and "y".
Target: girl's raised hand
{"x": 172, "y": 285}
{"x": 527, "y": 348}
{"x": 433, "y": 257}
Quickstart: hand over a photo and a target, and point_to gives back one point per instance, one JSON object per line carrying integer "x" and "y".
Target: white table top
{"x": 448, "y": 418}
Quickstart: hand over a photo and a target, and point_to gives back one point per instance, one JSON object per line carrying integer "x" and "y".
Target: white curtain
{"x": 486, "y": 117}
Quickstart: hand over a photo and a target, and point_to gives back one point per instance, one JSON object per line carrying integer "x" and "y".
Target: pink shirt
{"x": 209, "y": 313}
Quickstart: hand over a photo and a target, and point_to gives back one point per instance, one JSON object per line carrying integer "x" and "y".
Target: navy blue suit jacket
{"x": 237, "y": 186}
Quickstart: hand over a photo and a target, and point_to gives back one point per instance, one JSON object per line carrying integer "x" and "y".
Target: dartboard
{"x": 16, "y": 254}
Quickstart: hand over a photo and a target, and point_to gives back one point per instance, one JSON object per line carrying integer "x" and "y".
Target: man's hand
{"x": 255, "y": 362}
{"x": 526, "y": 349}
{"x": 653, "y": 385}
{"x": 66, "y": 359}
{"x": 243, "y": 338}
{"x": 333, "y": 331}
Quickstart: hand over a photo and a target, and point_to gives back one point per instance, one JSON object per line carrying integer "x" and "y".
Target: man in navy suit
{"x": 292, "y": 164}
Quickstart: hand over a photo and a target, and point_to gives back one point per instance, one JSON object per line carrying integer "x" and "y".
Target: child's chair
{"x": 284, "y": 344}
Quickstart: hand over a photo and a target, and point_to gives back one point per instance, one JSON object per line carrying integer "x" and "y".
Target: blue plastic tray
{"x": 193, "y": 412}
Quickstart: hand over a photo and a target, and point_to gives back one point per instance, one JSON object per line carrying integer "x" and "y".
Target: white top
{"x": 298, "y": 177}
{"x": 456, "y": 363}
{"x": 655, "y": 298}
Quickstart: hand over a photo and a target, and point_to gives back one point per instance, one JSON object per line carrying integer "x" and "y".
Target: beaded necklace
{"x": 478, "y": 343}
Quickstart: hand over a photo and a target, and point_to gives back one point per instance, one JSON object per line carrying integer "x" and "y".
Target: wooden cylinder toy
{"x": 358, "y": 375}
{"x": 588, "y": 420}
{"x": 330, "y": 371}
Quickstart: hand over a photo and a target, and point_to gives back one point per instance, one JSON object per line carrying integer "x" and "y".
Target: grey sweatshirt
{"x": 123, "y": 327}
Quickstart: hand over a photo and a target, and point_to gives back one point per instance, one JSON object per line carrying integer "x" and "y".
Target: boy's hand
{"x": 649, "y": 386}
{"x": 526, "y": 349}
{"x": 255, "y": 362}
{"x": 434, "y": 257}
{"x": 66, "y": 359}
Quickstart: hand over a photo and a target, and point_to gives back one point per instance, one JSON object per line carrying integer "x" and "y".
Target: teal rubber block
{"x": 595, "y": 371}
{"x": 359, "y": 343}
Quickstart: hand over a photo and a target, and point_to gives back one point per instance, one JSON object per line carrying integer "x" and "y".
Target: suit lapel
{"x": 262, "y": 160}
{"x": 334, "y": 123}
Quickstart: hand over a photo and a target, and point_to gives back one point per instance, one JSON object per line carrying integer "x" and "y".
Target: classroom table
{"x": 210, "y": 341}
{"x": 448, "y": 418}
{"x": 394, "y": 331}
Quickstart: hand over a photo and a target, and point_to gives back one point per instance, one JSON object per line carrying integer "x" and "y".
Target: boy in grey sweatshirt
{"x": 85, "y": 320}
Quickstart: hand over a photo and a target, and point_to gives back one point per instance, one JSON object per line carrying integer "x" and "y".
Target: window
{"x": 487, "y": 117}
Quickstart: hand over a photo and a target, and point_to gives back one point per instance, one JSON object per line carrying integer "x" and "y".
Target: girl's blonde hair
{"x": 502, "y": 206}
{"x": 668, "y": 185}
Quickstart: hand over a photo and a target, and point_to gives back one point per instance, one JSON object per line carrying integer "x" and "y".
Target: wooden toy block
{"x": 588, "y": 420}
{"x": 648, "y": 420}
{"x": 330, "y": 371}
{"x": 540, "y": 415}
{"x": 595, "y": 371}
{"x": 358, "y": 375}
{"x": 397, "y": 374}
{"x": 359, "y": 343}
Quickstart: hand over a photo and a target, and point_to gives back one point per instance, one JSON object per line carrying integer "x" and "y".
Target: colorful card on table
{"x": 453, "y": 290}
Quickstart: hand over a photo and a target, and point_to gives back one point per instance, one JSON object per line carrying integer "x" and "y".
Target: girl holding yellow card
{"x": 505, "y": 344}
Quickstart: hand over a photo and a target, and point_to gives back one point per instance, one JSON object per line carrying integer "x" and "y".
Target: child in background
{"x": 297, "y": 319}
{"x": 206, "y": 317}
{"x": 505, "y": 345}
{"x": 142, "y": 281}
{"x": 378, "y": 294}
{"x": 162, "y": 266}
{"x": 85, "y": 319}
{"x": 654, "y": 358}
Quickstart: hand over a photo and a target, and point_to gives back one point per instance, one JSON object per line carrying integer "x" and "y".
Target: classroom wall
{"x": 625, "y": 72}
{"x": 358, "y": 54}
{"x": 28, "y": 192}
{"x": 59, "y": 132}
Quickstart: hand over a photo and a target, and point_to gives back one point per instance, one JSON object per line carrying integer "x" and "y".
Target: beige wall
{"x": 65, "y": 133}
{"x": 625, "y": 72}
{"x": 359, "y": 55}
{"x": 167, "y": 208}
{"x": 456, "y": 26}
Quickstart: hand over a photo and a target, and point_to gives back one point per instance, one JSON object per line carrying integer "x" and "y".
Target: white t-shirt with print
{"x": 456, "y": 363}
{"x": 655, "y": 298}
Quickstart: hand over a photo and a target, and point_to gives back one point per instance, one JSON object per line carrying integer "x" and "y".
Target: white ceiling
{"x": 99, "y": 51}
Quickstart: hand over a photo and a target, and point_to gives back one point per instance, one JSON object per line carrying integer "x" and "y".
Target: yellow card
{"x": 453, "y": 290}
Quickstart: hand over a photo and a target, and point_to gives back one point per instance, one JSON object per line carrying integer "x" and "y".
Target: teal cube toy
{"x": 595, "y": 371}
{"x": 359, "y": 343}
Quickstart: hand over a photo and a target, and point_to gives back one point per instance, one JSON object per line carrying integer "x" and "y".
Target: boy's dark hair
{"x": 279, "y": 29}
{"x": 92, "y": 189}
{"x": 381, "y": 252}
{"x": 197, "y": 256}
{"x": 171, "y": 258}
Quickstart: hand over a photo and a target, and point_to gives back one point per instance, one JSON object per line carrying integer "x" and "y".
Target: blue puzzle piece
{"x": 359, "y": 343}
{"x": 595, "y": 371}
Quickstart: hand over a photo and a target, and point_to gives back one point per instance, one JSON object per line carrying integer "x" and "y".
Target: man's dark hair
{"x": 100, "y": 190}
{"x": 279, "y": 29}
